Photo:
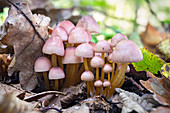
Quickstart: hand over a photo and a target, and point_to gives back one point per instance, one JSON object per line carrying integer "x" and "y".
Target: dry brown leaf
{"x": 5, "y": 89}
{"x": 19, "y": 33}
{"x": 159, "y": 86}
{"x": 11, "y": 104}
{"x": 132, "y": 101}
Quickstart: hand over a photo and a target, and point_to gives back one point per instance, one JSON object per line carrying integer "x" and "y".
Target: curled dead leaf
{"x": 159, "y": 86}
{"x": 132, "y": 101}
{"x": 19, "y": 33}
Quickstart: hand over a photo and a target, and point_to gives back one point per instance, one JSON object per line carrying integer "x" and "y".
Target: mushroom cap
{"x": 92, "y": 44}
{"x": 127, "y": 70}
{"x": 84, "y": 50}
{"x": 70, "y": 58}
{"x": 60, "y": 32}
{"x": 117, "y": 38}
{"x": 126, "y": 51}
{"x": 56, "y": 73}
{"x": 89, "y": 35}
{"x": 53, "y": 45}
{"x": 96, "y": 61}
{"x": 109, "y": 57}
{"x": 98, "y": 83}
{"x": 106, "y": 84}
{"x": 89, "y": 23}
{"x": 42, "y": 64}
{"x": 102, "y": 47}
{"x": 107, "y": 68}
{"x": 87, "y": 76}
{"x": 78, "y": 35}
{"x": 67, "y": 25}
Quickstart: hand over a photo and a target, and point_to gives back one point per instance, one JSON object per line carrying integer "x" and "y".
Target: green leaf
{"x": 150, "y": 62}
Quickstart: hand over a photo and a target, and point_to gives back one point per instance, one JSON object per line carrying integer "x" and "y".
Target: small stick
{"x": 135, "y": 83}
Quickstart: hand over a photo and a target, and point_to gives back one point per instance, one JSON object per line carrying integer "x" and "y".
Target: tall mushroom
{"x": 126, "y": 51}
{"x": 43, "y": 64}
{"x": 71, "y": 60}
{"x": 54, "y": 46}
{"x": 114, "y": 41}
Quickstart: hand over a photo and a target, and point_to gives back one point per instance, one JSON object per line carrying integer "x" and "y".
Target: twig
{"x": 135, "y": 83}
{"x": 40, "y": 95}
{"x": 47, "y": 108}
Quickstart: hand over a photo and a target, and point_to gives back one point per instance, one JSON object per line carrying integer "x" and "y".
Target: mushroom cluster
{"x": 75, "y": 58}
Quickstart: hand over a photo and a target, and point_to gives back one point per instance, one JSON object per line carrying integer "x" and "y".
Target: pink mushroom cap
{"x": 54, "y": 45}
{"x": 56, "y": 73}
{"x": 42, "y": 64}
{"x": 107, "y": 68}
{"x": 60, "y": 32}
{"x": 102, "y": 47}
{"x": 96, "y": 61}
{"x": 84, "y": 50}
{"x": 126, "y": 51}
{"x": 117, "y": 38}
{"x": 87, "y": 76}
{"x": 106, "y": 84}
{"x": 78, "y": 35}
{"x": 98, "y": 83}
{"x": 89, "y": 23}
{"x": 67, "y": 25}
{"x": 70, "y": 58}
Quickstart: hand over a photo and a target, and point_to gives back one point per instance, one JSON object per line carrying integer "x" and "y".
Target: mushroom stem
{"x": 75, "y": 74}
{"x": 61, "y": 66}
{"x": 87, "y": 69}
{"x": 108, "y": 76}
{"x": 113, "y": 71}
{"x": 46, "y": 80}
{"x": 114, "y": 76}
{"x": 70, "y": 75}
{"x": 85, "y": 64}
{"x": 102, "y": 73}
{"x": 97, "y": 73}
{"x": 105, "y": 92}
{"x": 121, "y": 83}
{"x": 117, "y": 81}
{"x": 54, "y": 63}
{"x": 81, "y": 70}
{"x": 54, "y": 60}
{"x": 88, "y": 89}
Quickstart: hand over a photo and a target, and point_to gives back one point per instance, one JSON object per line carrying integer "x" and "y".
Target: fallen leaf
{"x": 164, "y": 49}
{"x": 11, "y": 104}
{"x": 6, "y": 89}
{"x": 161, "y": 110}
{"x": 159, "y": 86}
{"x": 150, "y": 62}
{"x": 132, "y": 101}
{"x": 19, "y": 33}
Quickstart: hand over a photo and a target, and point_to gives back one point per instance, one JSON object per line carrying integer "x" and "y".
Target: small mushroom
{"x": 98, "y": 84}
{"x": 87, "y": 76}
{"x": 43, "y": 64}
{"x": 67, "y": 25}
{"x": 56, "y": 73}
